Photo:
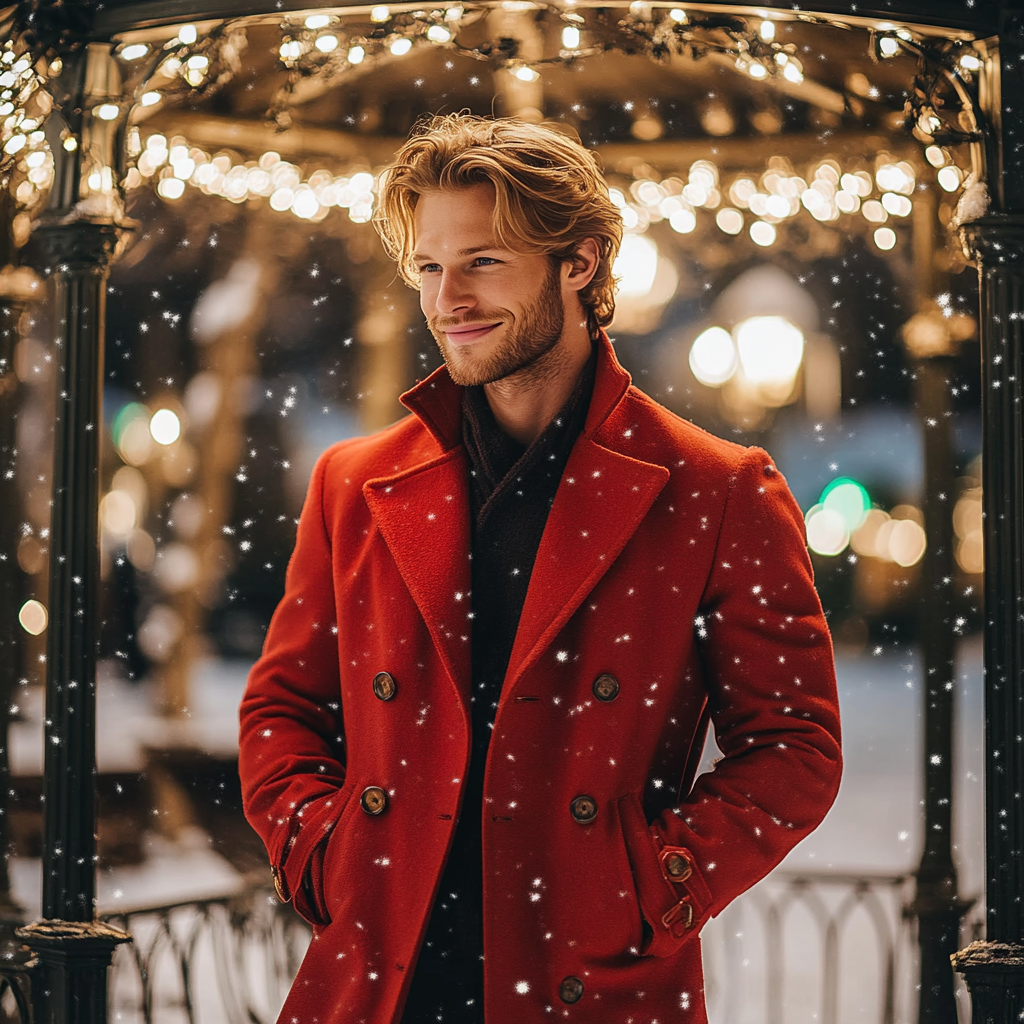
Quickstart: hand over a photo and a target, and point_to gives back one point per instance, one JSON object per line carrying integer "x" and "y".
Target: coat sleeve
{"x": 291, "y": 747}
{"x": 770, "y": 675}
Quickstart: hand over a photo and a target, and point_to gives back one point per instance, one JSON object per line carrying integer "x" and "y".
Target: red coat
{"x": 673, "y": 562}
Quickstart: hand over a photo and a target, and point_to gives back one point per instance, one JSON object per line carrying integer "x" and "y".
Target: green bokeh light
{"x": 849, "y": 498}
{"x": 129, "y": 412}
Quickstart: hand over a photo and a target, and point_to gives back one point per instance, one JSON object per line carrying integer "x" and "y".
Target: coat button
{"x": 571, "y": 990}
{"x": 373, "y": 800}
{"x": 384, "y": 685}
{"x": 606, "y": 687}
{"x": 677, "y": 865}
{"x": 584, "y": 810}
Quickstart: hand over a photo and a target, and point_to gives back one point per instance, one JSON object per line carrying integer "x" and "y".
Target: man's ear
{"x": 582, "y": 265}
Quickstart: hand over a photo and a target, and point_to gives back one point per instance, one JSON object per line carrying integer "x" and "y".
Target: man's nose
{"x": 454, "y": 294}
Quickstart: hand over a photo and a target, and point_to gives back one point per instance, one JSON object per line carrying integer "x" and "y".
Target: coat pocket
{"x": 311, "y": 899}
{"x": 670, "y": 914}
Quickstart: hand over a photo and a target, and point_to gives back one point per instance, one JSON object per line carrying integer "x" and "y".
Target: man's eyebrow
{"x": 420, "y": 257}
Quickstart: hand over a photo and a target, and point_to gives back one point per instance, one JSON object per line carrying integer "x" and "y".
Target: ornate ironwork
{"x": 228, "y": 958}
{"x": 232, "y": 957}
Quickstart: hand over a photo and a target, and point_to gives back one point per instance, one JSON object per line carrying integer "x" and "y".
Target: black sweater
{"x": 511, "y": 490}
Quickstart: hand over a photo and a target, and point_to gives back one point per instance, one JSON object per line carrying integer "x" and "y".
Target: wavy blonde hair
{"x": 549, "y": 194}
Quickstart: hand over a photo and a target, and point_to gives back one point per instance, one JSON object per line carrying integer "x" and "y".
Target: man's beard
{"x": 526, "y": 340}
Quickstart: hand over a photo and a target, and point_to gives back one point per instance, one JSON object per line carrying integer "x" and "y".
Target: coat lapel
{"x": 601, "y": 500}
{"x": 423, "y": 514}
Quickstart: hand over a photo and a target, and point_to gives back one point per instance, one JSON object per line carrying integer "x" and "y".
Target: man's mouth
{"x": 463, "y": 334}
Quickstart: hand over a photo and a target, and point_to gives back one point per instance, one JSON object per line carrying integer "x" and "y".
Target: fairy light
{"x": 888, "y": 46}
{"x": 826, "y": 193}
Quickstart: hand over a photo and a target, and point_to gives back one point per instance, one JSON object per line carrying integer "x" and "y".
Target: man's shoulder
{"x": 382, "y": 453}
{"x": 666, "y": 437}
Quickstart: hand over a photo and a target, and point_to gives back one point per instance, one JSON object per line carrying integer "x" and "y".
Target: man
{"x": 470, "y": 743}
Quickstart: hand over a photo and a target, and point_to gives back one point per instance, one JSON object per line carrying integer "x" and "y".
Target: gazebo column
{"x": 75, "y": 243}
{"x": 994, "y": 968}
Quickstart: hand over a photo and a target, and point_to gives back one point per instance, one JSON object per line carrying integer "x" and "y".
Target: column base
{"x": 994, "y": 972}
{"x": 69, "y": 969}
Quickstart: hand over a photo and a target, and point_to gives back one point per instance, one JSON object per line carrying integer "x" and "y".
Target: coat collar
{"x": 423, "y": 514}
{"x": 437, "y": 401}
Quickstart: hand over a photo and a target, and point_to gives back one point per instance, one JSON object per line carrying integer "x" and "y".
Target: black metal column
{"x": 937, "y": 906}
{"x": 994, "y": 969}
{"x": 73, "y": 950}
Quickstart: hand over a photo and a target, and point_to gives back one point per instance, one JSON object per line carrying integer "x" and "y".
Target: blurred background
{"x": 787, "y": 279}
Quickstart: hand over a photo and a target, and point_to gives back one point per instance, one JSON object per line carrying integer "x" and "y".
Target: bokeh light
{"x": 165, "y": 426}
{"x": 771, "y": 349}
{"x": 713, "y": 357}
{"x": 850, "y": 499}
{"x": 32, "y": 617}
{"x": 636, "y": 265}
{"x": 827, "y": 533}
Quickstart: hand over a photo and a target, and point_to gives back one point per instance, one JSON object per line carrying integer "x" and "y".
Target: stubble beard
{"x": 521, "y": 353}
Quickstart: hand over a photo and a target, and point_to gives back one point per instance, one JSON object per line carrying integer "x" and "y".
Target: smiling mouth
{"x": 466, "y": 333}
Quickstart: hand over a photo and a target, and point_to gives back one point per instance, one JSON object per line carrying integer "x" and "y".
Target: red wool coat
{"x": 672, "y": 583}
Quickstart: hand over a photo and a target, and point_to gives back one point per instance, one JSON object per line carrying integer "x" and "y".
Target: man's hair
{"x": 549, "y": 194}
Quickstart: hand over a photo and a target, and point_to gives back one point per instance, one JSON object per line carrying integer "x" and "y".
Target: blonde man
{"x": 471, "y": 741}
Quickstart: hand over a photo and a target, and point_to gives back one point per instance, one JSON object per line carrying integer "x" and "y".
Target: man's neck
{"x": 525, "y": 403}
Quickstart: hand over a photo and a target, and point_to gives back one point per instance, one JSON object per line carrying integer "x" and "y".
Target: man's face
{"x": 493, "y": 312}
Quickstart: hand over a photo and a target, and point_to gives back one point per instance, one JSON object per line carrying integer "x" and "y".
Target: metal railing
{"x": 218, "y": 961}
{"x": 814, "y": 946}
{"x": 822, "y": 946}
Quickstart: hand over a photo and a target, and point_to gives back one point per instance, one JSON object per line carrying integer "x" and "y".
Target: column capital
{"x": 78, "y": 245}
{"x": 997, "y": 239}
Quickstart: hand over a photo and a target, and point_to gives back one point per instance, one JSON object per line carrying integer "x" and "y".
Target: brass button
{"x": 606, "y": 687}
{"x": 571, "y": 990}
{"x": 677, "y": 866}
{"x": 373, "y": 800}
{"x": 384, "y": 685}
{"x": 584, "y": 810}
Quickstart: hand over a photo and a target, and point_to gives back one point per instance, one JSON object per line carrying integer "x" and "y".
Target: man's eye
{"x": 429, "y": 268}
{"x": 485, "y": 260}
